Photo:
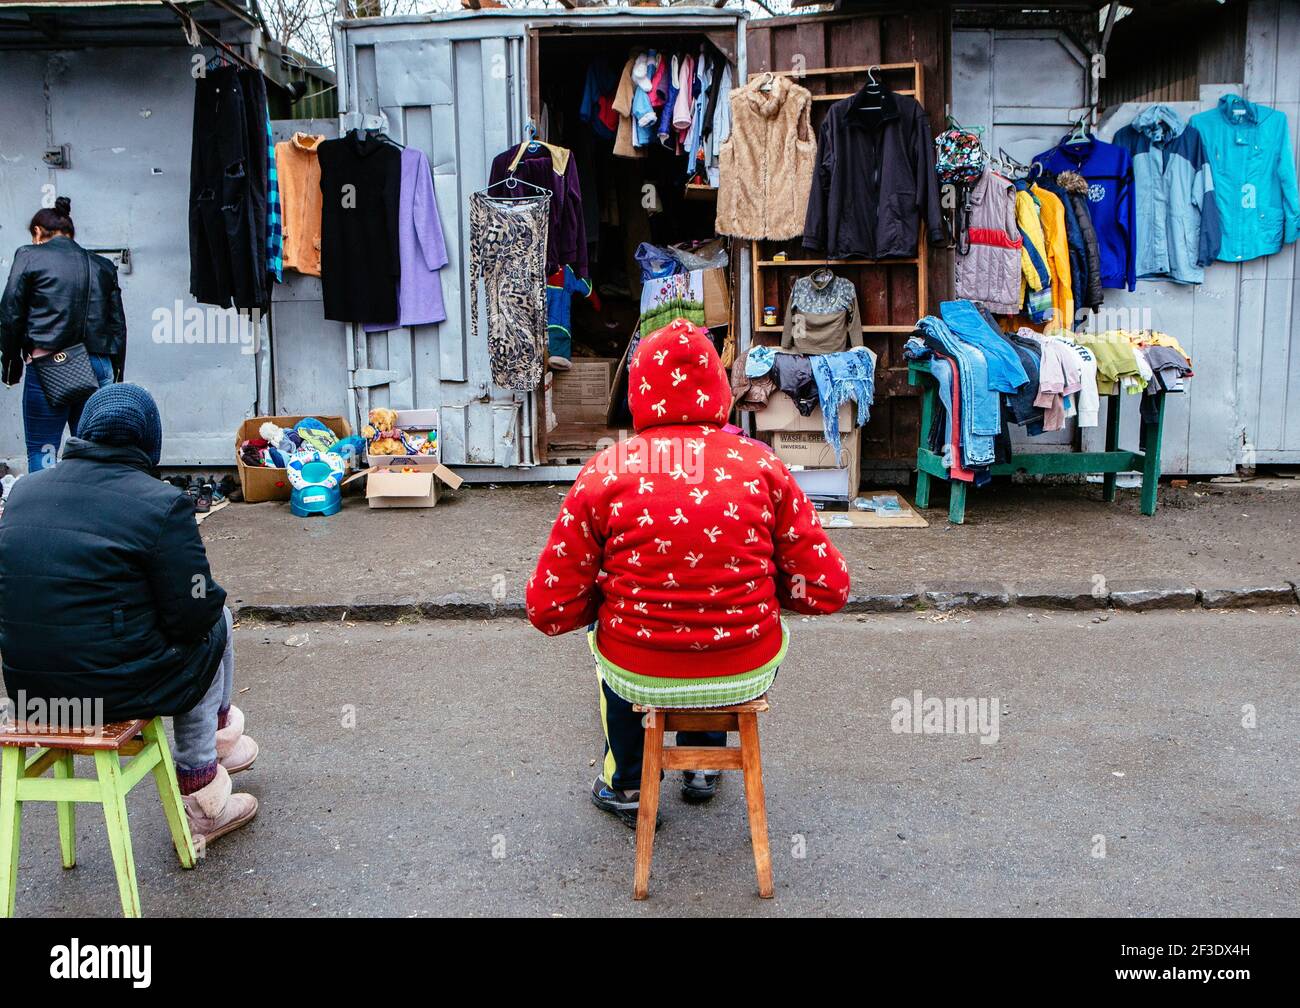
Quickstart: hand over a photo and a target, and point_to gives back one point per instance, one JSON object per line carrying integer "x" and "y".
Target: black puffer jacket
{"x": 1076, "y": 187}
{"x": 46, "y": 301}
{"x": 105, "y": 591}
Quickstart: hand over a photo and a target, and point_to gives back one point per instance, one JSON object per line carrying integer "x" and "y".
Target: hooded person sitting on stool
{"x": 107, "y": 601}
{"x": 679, "y": 548}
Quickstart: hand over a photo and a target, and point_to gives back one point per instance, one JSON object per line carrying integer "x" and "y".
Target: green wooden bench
{"x": 1113, "y": 460}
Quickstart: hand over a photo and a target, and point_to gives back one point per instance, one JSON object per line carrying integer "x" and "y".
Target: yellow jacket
{"x": 1052, "y": 216}
{"x": 1032, "y": 229}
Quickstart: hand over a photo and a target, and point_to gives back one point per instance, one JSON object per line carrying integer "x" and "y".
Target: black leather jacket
{"x": 43, "y": 304}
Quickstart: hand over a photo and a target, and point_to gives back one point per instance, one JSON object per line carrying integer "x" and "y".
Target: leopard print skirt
{"x": 507, "y": 252}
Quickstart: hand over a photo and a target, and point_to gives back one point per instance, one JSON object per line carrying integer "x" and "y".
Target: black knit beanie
{"x": 123, "y": 415}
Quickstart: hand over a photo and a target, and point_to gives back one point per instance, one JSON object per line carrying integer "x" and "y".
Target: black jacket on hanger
{"x": 874, "y": 180}
{"x": 360, "y": 184}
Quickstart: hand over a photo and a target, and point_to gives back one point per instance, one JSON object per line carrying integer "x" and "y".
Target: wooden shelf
{"x": 834, "y": 262}
{"x": 865, "y": 329}
{"x": 911, "y": 80}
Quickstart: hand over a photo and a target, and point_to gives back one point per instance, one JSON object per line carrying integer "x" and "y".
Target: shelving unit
{"x": 891, "y": 292}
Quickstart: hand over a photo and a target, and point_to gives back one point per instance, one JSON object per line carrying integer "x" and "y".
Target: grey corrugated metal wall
{"x": 459, "y": 97}
{"x": 127, "y": 121}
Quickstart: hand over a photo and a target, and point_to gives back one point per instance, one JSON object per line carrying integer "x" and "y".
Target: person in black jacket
{"x": 107, "y": 603}
{"x": 58, "y": 294}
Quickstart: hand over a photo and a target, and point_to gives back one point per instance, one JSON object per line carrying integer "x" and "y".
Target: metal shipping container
{"x": 462, "y": 87}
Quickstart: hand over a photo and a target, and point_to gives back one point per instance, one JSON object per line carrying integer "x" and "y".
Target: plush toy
{"x": 382, "y": 422}
{"x": 385, "y": 445}
{"x": 278, "y": 438}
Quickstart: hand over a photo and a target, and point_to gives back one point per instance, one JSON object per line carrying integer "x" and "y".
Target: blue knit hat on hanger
{"x": 123, "y": 415}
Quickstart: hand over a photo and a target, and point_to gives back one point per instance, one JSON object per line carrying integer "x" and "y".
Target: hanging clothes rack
{"x": 192, "y": 30}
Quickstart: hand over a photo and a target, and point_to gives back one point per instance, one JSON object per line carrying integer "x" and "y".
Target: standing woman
{"x": 61, "y": 315}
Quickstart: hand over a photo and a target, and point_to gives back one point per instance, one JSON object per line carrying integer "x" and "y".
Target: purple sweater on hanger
{"x": 422, "y": 250}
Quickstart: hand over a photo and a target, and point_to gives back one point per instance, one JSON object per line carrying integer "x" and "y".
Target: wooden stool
{"x": 20, "y": 781}
{"x": 742, "y": 718}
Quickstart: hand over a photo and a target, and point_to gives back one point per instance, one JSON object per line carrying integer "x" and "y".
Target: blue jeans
{"x": 43, "y": 424}
{"x": 196, "y": 729}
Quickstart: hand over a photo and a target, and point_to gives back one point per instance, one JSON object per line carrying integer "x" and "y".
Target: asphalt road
{"x": 462, "y": 787}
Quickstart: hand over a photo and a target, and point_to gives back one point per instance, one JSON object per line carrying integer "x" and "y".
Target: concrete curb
{"x": 942, "y": 597}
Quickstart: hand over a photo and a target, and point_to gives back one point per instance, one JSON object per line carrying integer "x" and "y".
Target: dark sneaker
{"x": 623, "y": 804}
{"x": 699, "y": 785}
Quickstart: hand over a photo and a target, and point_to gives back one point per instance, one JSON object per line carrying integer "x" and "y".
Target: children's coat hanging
{"x": 508, "y": 253}
{"x": 766, "y": 164}
{"x": 1178, "y": 231}
{"x": 1250, "y": 154}
{"x": 989, "y": 270}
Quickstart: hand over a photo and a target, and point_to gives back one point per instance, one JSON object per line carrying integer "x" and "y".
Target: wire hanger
{"x": 511, "y": 183}
{"x": 872, "y": 90}
{"x": 768, "y": 81}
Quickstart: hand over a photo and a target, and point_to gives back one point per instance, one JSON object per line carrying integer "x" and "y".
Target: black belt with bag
{"x": 66, "y": 376}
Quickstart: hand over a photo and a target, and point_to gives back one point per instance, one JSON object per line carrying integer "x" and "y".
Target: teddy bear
{"x": 382, "y": 433}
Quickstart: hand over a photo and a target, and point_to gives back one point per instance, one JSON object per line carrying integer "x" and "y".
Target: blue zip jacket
{"x": 1249, "y": 148}
{"x": 1109, "y": 171}
{"x": 1177, "y": 215}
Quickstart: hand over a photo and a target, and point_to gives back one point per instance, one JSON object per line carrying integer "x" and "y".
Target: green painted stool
{"x": 21, "y": 781}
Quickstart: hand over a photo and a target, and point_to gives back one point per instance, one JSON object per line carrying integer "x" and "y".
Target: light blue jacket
{"x": 1178, "y": 227}
{"x": 1254, "y": 177}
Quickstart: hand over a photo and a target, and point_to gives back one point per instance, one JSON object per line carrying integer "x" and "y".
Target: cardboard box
{"x": 412, "y": 485}
{"x": 821, "y": 475}
{"x": 419, "y": 421}
{"x": 780, "y": 414}
{"x": 264, "y": 483}
{"x": 581, "y": 394}
{"x": 717, "y": 297}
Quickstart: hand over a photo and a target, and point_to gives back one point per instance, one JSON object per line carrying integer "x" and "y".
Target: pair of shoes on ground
{"x": 216, "y": 809}
{"x": 698, "y": 786}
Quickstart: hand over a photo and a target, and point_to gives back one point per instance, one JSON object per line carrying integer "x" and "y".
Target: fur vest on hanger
{"x": 767, "y": 162}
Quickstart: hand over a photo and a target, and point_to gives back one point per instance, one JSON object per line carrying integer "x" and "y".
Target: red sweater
{"x": 684, "y": 541}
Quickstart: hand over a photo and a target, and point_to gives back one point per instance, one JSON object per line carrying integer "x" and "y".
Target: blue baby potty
{"x": 315, "y": 477}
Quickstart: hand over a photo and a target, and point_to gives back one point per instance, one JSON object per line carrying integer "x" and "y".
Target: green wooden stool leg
{"x": 11, "y": 819}
{"x": 1112, "y": 444}
{"x": 113, "y": 792}
{"x": 956, "y": 501}
{"x": 1152, "y": 435}
{"x": 67, "y": 814}
{"x": 169, "y": 793}
{"x": 927, "y": 419}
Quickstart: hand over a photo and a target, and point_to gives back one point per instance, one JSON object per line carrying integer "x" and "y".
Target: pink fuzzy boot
{"x": 213, "y": 811}
{"x": 235, "y": 750}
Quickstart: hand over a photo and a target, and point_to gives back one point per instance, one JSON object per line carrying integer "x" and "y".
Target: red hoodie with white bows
{"x": 684, "y": 542}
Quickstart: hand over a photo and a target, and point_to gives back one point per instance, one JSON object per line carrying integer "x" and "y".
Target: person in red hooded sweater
{"x": 677, "y": 549}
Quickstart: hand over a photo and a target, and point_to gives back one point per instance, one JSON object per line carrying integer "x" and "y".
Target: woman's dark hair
{"x": 55, "y": 219}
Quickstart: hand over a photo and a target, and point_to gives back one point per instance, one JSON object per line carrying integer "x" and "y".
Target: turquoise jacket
{"x": 1250, "y": 153}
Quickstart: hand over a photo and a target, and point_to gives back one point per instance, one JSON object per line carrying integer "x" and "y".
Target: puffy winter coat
{"x": 105, "y": 591}
{"x": 1075, "y": 186}
{"x": 990, "y": 271}
{"x": 684, "y": 542}
{"x": 766, "y": 164}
